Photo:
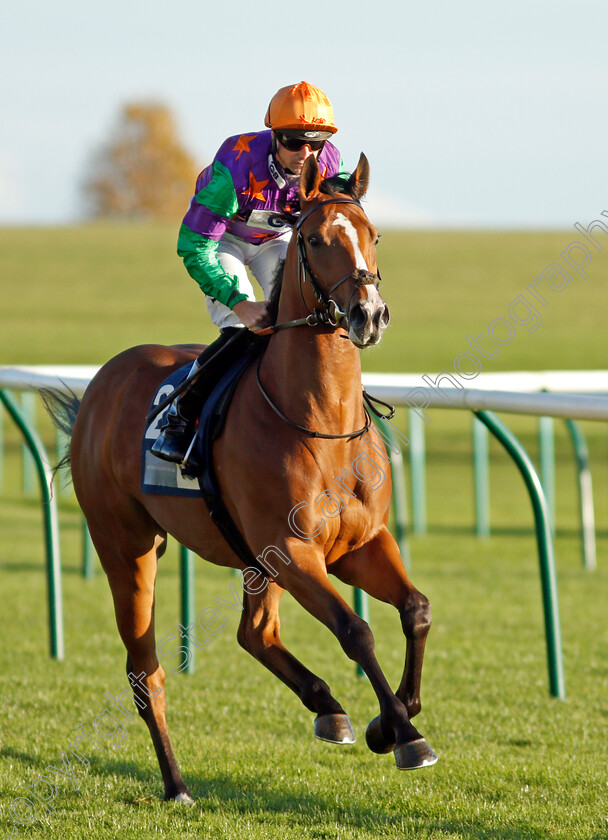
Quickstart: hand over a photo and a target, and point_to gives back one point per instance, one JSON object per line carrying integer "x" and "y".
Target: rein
{"x": 330, "y": 316}
{"x": 314, "y": 434}
{"x": 310, "y": 432}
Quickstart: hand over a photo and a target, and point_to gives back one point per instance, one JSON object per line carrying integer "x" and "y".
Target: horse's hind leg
{"x": 258, "y": 634}
{"x": 129, "y": 557}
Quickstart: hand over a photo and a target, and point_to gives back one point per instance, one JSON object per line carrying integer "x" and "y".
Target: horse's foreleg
{"x": 308, "y": 582}
{"x": 132, "y": 583}
{"x": 377, "y": 568}
{"x": 258, "y": 634}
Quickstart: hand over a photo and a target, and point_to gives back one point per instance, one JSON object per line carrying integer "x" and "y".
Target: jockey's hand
{"x": 253, "y": 313}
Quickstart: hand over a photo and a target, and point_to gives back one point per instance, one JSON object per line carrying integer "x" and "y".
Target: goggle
{"x": 294, "y": 144}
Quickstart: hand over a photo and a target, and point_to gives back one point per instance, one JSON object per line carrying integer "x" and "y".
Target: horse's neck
{"x": 315, "y": 375}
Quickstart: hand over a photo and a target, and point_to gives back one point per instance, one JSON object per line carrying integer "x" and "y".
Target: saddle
{"x": 164, "y": 477}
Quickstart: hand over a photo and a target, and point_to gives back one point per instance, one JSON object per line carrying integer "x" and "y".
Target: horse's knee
{"x": 355, "y": 636}
{"x": 257, "y": 639}
{"x": 416, "y": 616}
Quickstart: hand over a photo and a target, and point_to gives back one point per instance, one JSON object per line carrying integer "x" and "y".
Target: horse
{"x": 296, "y": 427}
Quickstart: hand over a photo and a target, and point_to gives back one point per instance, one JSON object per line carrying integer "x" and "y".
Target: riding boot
{"x": 176, "y": 434}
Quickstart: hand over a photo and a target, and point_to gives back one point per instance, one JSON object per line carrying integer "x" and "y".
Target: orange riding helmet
{"x": 301, "y": 107}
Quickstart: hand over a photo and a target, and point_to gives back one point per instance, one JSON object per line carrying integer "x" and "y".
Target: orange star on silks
{"x": 256, "y": 187}
{"x": 242, "y": 144}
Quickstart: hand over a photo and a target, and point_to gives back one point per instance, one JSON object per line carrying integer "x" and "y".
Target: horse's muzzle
{"x": 367, "y": 320}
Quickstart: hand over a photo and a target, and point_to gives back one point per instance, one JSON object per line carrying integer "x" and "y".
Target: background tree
{"x": 143, "y": 172}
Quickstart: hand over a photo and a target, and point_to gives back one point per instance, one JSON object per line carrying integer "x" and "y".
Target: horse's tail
{"x": 62, "y": 407}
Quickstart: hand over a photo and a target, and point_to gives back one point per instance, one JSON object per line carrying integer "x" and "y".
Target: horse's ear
{"x": 310, "y": 178}
{"x": 357, "y": 184}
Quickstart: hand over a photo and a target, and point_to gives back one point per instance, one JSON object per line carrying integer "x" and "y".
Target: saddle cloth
{"x": 165, "y": 478}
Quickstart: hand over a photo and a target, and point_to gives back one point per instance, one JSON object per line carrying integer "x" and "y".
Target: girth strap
{"x": 227, "y": 527}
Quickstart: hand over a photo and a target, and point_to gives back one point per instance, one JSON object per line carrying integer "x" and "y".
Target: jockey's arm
{"x": 199, "y": 254}
{"x": 213, "y": 205}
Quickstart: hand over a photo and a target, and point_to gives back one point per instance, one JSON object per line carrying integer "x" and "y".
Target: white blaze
{"x": 351, "y": 231}
{"x": 373, "y": 297}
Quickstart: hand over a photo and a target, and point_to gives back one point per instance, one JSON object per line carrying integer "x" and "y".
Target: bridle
{"x": 331, "y": 314}
{"x": 328, "y": 314}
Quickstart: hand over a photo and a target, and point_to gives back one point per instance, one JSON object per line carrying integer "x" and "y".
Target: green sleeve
{"x": 200, "y": 258}
{"x": 219, "y": 195}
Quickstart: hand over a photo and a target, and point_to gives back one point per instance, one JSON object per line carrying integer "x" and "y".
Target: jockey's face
{"x": 293, "y": 161}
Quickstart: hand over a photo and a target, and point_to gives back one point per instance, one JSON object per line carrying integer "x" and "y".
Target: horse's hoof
{"x": 375, "y": 737}
{"x": 184, "y": 799}
{"x": 413, "y": 755}
{"x": 334, "y": 728}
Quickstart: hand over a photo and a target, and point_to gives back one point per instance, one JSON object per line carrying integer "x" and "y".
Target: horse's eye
{"x": 377, "y": 239}
{"x": 313, "y": 241}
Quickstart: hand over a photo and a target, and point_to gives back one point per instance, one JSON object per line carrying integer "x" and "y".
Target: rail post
{"x": 418, "y": 472}
{"x": 28, "y": 409}
{"x": 481, "y": 469}
{"x": 50, "y": 522}
{"x": 544, "y": 541}
{"x": 88, "y": 553}
{"x": 186, "y": 566}
{"x": 399, "y": 498}
{"x": 585, "y": 495}
{"x": 546, "y": 446}
{"x": 361, "y": 604}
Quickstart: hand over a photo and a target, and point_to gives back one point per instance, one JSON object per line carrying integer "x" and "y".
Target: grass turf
{"x": 513, "y": 762}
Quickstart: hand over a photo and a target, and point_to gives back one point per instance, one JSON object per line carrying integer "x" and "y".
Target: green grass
{"x": 514, "y": 763}
{"x": 80, "y": 295}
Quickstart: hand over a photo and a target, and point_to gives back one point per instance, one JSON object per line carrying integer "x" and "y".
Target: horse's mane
{"x": 336, "y": 185}
{"x": 273, "y": 301}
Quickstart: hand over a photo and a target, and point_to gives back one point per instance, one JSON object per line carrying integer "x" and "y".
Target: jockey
{"x": 241, "y": 216}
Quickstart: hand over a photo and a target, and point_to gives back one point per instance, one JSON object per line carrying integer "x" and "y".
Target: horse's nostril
{"x": 381, "y": 317}
{"x": 357, "y": 317}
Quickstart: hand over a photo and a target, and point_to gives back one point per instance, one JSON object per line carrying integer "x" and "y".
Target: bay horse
{"x": 296, "y": 427}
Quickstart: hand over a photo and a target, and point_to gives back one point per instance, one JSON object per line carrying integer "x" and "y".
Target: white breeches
{"x": 236, "y": 256}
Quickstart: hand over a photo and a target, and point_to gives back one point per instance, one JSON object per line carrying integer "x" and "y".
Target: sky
{"x": 472, "y": 113}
